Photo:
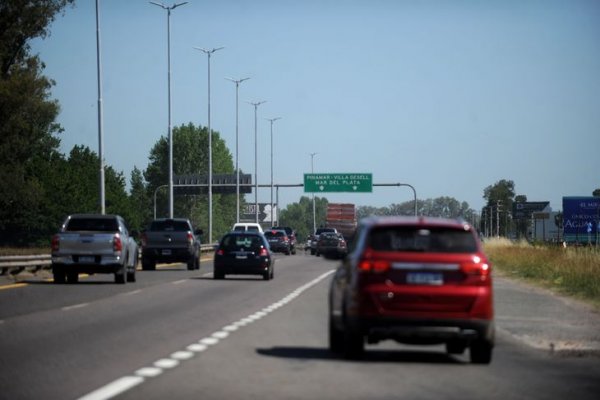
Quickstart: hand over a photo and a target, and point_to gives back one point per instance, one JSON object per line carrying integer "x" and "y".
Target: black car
{"x": 315, "y": 238}
{"x": 332, "y": 244}
{"x": 291, "y": 233}
{"x": 279, "y": 241}
{"x": 243, "y": 253}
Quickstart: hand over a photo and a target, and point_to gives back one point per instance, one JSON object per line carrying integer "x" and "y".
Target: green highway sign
{"x": 350, "y": 182}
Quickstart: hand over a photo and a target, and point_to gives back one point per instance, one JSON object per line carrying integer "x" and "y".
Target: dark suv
{"x": 291, "y": 236}
{"x": 279, "y": 242}
{"x": 417, "y": 281}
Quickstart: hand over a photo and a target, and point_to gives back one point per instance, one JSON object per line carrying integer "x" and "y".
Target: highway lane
{"x": 180, "y": 334}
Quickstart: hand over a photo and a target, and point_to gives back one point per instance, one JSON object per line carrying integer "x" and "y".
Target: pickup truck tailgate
{"x": 82, "y": 243}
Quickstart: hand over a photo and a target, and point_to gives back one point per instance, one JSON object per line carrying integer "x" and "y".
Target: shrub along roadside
{"x": 572, "y": 271}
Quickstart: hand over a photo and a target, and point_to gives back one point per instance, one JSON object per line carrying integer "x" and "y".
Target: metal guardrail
{"x": 16, "y": 264}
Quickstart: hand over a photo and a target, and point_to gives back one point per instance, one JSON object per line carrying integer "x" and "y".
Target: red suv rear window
{"x": 422, "y": 239}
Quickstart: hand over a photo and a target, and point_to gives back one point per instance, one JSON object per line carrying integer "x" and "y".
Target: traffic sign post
{"x": 347, "y": 182}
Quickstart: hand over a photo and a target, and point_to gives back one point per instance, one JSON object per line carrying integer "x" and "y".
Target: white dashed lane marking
{"x": 175, "y": 359}
{"x": 73, "y": 307}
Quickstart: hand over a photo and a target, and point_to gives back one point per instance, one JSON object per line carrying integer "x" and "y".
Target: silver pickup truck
{"x": 94, "y": 243}
{"x": 171, "y": 240}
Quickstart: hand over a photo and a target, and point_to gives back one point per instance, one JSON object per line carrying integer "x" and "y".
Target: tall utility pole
{"x": 271, "y": 120}
{"x": 491, "y": 208}
{"x": 498, "y": 202}
{"x": 210, "y": 168}
{"x": 312, "y": 171}
{"x": 237, "y": 168}
{"x": 256, "y": 104}
{"x": 100, "y": 132}
{"x": 168, "y": 9}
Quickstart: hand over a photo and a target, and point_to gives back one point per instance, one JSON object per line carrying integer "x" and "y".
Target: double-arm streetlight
{"x": 169, "y": 9}
{"x": 312, "y": 171}
{"x": 271, "y": 120}
{"x": 237, "y": 169}
{"x": 256, "y": 104}
{"x": 210, "y": 168}
{"x": 100, "y": 130}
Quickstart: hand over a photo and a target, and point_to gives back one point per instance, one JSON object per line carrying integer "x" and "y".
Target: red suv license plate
{"x": 425, "y": 278}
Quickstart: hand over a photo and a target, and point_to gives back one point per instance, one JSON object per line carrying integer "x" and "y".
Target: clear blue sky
{"x": 449, "y": 96}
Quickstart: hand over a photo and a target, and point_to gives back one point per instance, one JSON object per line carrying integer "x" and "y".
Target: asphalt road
{"x": 178, "y": 334}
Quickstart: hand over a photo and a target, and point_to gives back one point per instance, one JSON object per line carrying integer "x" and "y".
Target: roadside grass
{"x": 571, "y": 271}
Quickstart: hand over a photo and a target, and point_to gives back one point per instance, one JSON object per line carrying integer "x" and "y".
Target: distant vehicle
{"x": 342, "y": 217}
{"x": 291, "y": 235}
{"x": 94, "y": 244}
{"x": 171, "y": 240}
{"x": 315, "y": 238}
{"x": 247, "y": 227}
{"x": 243, "y": 253}
{"x": 332, "y": 245}
{"x": 417, "y": 281}
{"x": 278, "y": 240}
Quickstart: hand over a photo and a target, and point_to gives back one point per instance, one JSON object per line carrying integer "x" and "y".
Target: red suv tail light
{"x": 479, "y": 269}
{"x": 375, "y": 266}
{"x": 55, "y": 243}
{"x": 371, "y": 263}
{"x": 117, "y": 243}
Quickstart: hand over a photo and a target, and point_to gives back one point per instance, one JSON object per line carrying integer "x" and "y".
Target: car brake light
{"x": 263, "y": 252}
{"x": 55, "y": 243}
{"x": 190, "y": 238}
{"x": 220, "y": 252}
{"x": 375, "y": 266}
{"x": 144, "y": 239}
{"x": 117, "y": 244}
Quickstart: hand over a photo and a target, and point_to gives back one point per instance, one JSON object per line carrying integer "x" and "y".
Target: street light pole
{"x": 237, "y": 169}
{"x": 272, "y": 210}
{"x": 175, "y": 5}
{"x": 100, "y": 130}
{"x": 312, "y": 170}
{"x": 256, "y": 104}
{"x": 210, "y": 168}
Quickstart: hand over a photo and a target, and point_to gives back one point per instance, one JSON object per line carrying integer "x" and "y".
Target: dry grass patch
{"x": 572, "y": 271}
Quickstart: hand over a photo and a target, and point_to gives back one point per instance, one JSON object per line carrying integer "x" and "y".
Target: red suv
{"x": 417, "y": 281}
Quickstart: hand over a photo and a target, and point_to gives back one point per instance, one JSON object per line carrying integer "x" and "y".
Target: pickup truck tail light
{"x": 190, "y": 238}
{"x": 144, "y": 239}
{"x": 117, "y": 243}
{"x": 55, "y": 243}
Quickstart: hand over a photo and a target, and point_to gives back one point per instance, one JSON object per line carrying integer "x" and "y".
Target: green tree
{"x": 140, "y": 202}
{"x": 80, "y": 191}
{"x": 28, "y": 142}
{"x": 190, "y": 156}
{"x": 446, "y": 207}
{"x": 499, "y": 197}
{"x": 300, "y": 215}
